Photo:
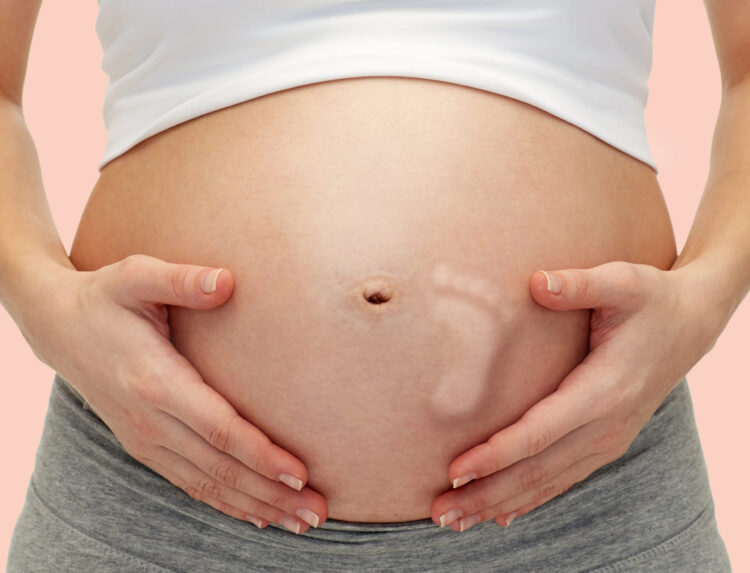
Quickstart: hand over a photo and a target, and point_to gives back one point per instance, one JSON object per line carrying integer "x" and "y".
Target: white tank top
{"x": 168, "y": 61}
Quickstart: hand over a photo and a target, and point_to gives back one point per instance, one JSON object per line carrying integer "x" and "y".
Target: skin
{"x": 374, "y": 399}
{"x": 712, "y": 267}
{"x": 600, "y": 407}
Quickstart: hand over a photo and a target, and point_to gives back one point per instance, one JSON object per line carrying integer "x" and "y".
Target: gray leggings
{"x": 92, "y": 507}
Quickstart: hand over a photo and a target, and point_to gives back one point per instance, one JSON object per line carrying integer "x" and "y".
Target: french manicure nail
{"x": 468, "y": 521}
{"x": 459, "y": 481}
{"x": 254, "y": 520}
{"x": 208, "y": 282}
{"x": 290, "y": 523}
{"x": 553, "y": 283}
{"x": 450, "y": 516}
{"x": 510, "y": 518}
{"x": 291, "y": 481}
{"x": 309, "y": 516}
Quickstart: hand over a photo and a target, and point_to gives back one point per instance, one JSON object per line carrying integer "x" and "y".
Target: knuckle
{"x": 539, "y": 439}
{"x": 479, "y": 498}
{"x": 533, "y": 477}
{"x": 143, "y": 453}
{"x": 149, "y": 389}
{"x": 210, "y": 488}
{"x": 631, "y": 275}
{"x": 621, "y": 448}
{"x": 130, "y": 268}
{"x": 605, "y": 405}
{"x": 193, "y": 492}
{"x": 631, "y": 280}
{"x": 146, "y": 459}
{"x": 220, "y": 436}
{"x": 580, "y": 284}
{"x": 227, "y": 472}
{"x": 613, "y": 437}
{"x": 547, "y": 492}
{"x": 97, "y": 285}
{"x": 278, "y": 499}
{"x": 136, "y": 448}
{"x": 263, "y": 455}
{"x": 145, "y": 380}
{"x": 606, "y": 442}
{"x": 179, "y": 280}
{"x": 144, "y": 428}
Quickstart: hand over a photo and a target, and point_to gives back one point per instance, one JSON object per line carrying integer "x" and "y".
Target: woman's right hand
{"x": 107, "y": 333}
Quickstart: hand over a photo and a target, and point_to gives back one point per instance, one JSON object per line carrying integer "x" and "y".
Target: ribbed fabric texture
{"x": 585, "y": 61}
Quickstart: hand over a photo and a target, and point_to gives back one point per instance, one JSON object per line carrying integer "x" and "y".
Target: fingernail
{"x": 467, "y": 522}
{"x": 291, "y": 481}
{"x": 450, "y": 516}
{"x": 459, "y": 481}
{"x": 510, "y": 518}
{"x": 208, "y": 282}
{"x": 553, "y": 283}
{"x": 257, "y": 521}
{"x": 290, "y": 523}
{"x": 309, "y": 516}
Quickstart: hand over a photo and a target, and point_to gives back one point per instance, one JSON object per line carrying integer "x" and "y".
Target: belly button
{"x": 377, "y": 292}
{"x": 379, "y": 289}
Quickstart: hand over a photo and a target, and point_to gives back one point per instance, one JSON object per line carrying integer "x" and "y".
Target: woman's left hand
{"x": 649, "y": 327}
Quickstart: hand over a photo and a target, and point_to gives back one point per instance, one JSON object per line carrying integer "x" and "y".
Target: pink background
{"x": 63, "y": 98}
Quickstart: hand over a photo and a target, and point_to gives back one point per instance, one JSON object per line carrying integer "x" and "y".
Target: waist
{"x": 381, "y": 233}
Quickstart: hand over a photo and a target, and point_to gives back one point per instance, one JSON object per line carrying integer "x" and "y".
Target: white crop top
{"x": 168, "y": 61}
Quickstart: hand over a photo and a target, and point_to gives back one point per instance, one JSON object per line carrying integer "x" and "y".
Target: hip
{"x": 90, "y": 505}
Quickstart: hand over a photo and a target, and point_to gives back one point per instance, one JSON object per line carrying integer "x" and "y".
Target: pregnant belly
{"x": 381, "y": 233}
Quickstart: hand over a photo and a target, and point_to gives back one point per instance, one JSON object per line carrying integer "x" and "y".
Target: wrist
{"x": 714, "y": 284}
{"x": 25, "y": 288}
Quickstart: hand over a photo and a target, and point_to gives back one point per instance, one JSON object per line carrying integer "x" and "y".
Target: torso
{"x": 449, "y": 197}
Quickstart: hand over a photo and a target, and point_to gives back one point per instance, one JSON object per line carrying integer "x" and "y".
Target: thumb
{"x": 614, "y": 284}
{"x": 142, "y": 278}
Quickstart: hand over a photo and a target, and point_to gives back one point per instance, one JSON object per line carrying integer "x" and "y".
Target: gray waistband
{"x": 658, "y": 488}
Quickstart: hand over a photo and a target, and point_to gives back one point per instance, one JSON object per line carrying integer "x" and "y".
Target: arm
{"x": 29, "y": 242}
{"x": 719, "y": 239}
{"x": 106, "y": 332}
{"x": 649, "y": 327}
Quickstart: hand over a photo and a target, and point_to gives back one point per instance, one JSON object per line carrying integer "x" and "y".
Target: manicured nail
{"x": 459, "y": 481}
{"x": 309, "y": 516}
{"x": 553, "y": 283}
{"x": 450, "y": 516}
{"x": 257, "y": 521}
{"x": 468, "y": 521}
{"x": 510, "y": 518}
{"x": 290, "y": 523}
{"x": 291, "y": 481}
{"x": 208, "y": 282}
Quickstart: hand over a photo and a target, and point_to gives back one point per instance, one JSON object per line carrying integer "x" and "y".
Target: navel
{"x": 379, "y": 289}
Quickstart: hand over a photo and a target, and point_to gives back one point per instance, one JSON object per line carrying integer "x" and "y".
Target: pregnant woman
{"x": 305, "y": 293}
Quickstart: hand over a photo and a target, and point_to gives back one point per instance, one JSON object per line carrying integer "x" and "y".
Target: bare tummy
{"x": 381, "y": 233}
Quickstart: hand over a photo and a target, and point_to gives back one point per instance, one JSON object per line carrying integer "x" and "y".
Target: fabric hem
{"x": 98, "y": 544}
{"x": 683, "y": 536}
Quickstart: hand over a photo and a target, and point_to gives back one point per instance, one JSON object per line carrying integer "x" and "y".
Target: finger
{"x": 547, "y": 421}
{"x": 527, "y": 501}
{"x": 217, "y": 504}
{"x": 558, "y": 485}
{"x": 204, "y": 488}
{"x": 208, "y": 414}
{"x": 230, "y": 473}
{"x": 523, "y": 476}
{"x": 141, "y": 278}
{"x": 613, "y": 284}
